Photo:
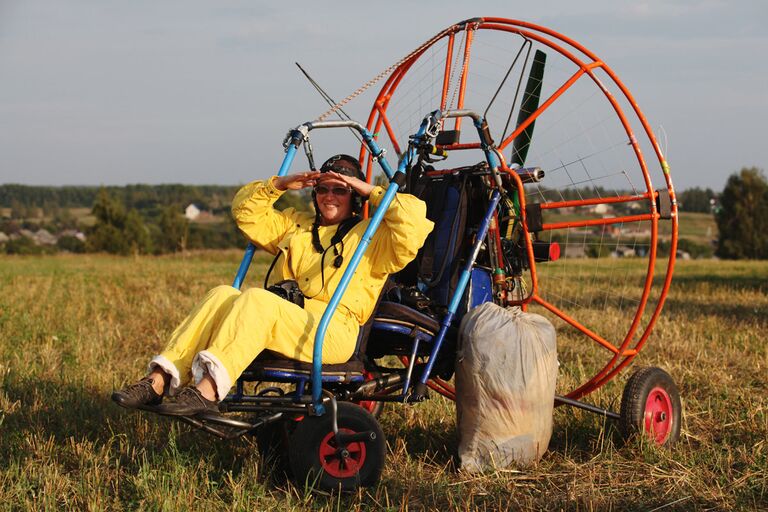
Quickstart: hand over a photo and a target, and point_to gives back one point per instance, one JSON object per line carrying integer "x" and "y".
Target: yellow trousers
{"x": 229, "y": 328}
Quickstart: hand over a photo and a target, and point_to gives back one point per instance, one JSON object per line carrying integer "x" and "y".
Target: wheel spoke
{"x": 354, "y": 447}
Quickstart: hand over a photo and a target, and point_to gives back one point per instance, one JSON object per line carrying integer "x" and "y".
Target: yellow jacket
{"x": 399, "y": 237}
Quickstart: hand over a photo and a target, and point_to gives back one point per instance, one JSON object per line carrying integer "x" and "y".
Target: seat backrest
{"x": 456, "y": 202}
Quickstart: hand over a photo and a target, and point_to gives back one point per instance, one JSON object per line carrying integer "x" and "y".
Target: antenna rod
{"x": 328, "y": 100}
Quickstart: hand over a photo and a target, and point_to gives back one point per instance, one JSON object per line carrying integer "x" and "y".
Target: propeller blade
{"x": 529, "y": 105}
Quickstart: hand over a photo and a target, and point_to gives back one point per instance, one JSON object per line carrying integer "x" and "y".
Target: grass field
{"x": 73, "y": 328}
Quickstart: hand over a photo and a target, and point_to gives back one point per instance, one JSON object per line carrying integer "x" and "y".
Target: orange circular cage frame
{"x": 380, "y": 122}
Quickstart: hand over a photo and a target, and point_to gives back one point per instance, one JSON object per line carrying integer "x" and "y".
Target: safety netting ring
{"x": 554, "y": 105}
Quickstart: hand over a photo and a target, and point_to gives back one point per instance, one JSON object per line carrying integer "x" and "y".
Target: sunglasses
{"x": 337, "y": 191}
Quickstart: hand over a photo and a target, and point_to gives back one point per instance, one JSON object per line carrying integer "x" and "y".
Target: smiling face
{"x": 334, "y": 207}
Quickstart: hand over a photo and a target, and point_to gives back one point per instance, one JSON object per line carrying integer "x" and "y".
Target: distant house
{"x": 575, "y": 251}
{"x": 44, "y": 237}
{"x": 192, "y": 212}
{"x": 73, "y": 233}
{"x": 3, "y": 237}
{"x": 623, "y": 252}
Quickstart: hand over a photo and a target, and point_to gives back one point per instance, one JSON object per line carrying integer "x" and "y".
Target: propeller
{"x": 529, "y": 105}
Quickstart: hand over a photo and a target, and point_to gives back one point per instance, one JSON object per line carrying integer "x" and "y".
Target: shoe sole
{"x": 131, "y": 406}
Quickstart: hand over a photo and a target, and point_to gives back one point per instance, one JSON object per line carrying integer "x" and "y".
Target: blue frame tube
{"x": 317, "y": 353}
{"x": 245, "y": 264}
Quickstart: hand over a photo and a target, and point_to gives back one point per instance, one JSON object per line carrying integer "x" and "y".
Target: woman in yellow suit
{"x": 229, "y": 328}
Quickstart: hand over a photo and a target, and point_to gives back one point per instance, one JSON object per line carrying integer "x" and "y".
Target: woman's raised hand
{"x": 296, "y": 181}
{"x": 362, "y": 188}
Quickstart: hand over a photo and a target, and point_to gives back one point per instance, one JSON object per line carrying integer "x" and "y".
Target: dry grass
{"x": 74, "y": 328}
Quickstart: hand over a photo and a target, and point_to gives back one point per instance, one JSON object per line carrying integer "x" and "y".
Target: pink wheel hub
{"x": 658, "y": 415}
{"x": 341, "y": 463}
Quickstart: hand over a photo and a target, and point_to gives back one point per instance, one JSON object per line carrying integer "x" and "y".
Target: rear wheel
{"x": 318, "y": 459}
{"x": 651, "y": 405}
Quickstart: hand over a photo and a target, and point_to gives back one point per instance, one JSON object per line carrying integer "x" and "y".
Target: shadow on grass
{"x": 730, "y": 282}
{"x": 731, "y": 313}
{"x": 73, "y": 415}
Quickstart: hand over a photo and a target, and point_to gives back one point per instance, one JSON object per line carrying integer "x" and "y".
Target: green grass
{"x": 73, "y": 328}
{"x": 700, "y": 228}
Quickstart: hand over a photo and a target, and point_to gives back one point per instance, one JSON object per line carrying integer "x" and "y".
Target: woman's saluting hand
{"x": 296, "y": 181}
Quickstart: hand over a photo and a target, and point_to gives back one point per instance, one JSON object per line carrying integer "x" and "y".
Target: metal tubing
{"x": 346, "y": 278}
{"x": 600, "y": 222}
{"x": 207, "y": 428}
{"x": 266, "y": 400}
{"x": 410, "y": 367}
{"x": 463, "y": 113}
{"x": 290, "y": 154}
{"x": 245, "y": 264}
{"x": 259, "y": 408}
{"x": 587, "y": 407}
{"x": 596, "y": 200}
{"x": 464, "y": 73}
{"x": 341, "y": 123}
{"x": 447, "y": 72}
{"x": 374, "y": 385}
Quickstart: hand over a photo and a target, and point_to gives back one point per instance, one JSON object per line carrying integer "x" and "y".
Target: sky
{"x": 166, "y": 91}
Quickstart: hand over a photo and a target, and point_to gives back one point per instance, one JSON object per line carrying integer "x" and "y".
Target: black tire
{"x": 311, "y": 452}
{"x": 651, "y": 405}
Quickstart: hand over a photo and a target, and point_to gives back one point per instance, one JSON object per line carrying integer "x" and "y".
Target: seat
{"x": 269, "y": 365}
{"x": 273, "y": 366}
{"x": 400, "y": 313}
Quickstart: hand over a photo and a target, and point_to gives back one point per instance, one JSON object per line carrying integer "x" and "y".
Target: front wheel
{"x": 318, "y": 459}
{"x": 651, "y": 405}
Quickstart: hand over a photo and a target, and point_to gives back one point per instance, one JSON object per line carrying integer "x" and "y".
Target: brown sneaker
{"x": 188, "y": 402}
{"x": 138, "y": 396}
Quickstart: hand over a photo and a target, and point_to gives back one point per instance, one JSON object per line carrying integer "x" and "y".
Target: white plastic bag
{"x": 506, "y": 371}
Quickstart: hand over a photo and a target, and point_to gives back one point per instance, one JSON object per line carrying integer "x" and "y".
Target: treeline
{"x": 123, "y": 230}
{"x": 216, "y": 198}
{"x": 138, "y": 219}
{"x": 141, "y": 197}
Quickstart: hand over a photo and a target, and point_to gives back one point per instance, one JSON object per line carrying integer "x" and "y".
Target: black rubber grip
{"x": 398, "y": 178}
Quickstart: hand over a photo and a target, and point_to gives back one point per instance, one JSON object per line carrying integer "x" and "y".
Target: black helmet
{"x": 343, "y": 164}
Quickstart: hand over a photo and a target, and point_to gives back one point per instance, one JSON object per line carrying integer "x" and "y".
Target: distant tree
{"x": 137, "y": 234}
{"x": 9, "y": 226}
{"x": 23, "y": 245}
{"x": 300, "y": 200}
{"x": 65, "y": 219}
{"x": 742, "y": 220}
{"x": 173, "y": 232}
{"x": 696, "y": 200}
{"x": 107, "y": 233}
{"x": 70, "y": 244}
{"x": 18, "y": 210}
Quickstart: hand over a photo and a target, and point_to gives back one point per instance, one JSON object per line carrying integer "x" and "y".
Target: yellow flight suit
{"x": 229, "y": 328}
